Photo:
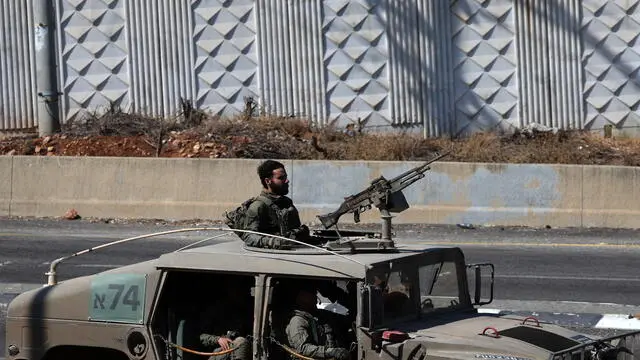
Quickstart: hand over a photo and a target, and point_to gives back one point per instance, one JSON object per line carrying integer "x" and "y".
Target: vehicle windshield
{"x": 429, "y": 288}
{"x": 438, "y": 286}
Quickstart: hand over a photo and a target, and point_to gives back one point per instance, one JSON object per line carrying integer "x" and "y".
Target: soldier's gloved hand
{"x": 280, "y": 244}
{"x": 337, "y": 353}
{"x": 301, "y": 233}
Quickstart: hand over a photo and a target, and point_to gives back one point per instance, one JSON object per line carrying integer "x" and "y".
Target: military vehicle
{"x": 385, "y": 300}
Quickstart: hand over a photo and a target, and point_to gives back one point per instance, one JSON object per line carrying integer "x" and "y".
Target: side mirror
{"x": 479, "y": 284}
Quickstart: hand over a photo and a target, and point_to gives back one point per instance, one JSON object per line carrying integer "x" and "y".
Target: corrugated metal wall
{"x": 160, "y": 55}
{"x": 449, "y": 68}
{"x": 17, "y": 66}
{"x": 550, "y": 70}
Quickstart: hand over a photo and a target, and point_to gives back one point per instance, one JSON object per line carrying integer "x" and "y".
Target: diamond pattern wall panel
{"x": 485, "y": 64}
{"x": 93, "y": 57}
{"x": 611, "y": 60}
{"x": 356, "y": 62}
{"x": 226, "y": 62}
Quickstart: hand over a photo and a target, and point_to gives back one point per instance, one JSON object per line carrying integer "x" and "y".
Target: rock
{"x": 46, "y": 140}
{"x": 71, "y": 214}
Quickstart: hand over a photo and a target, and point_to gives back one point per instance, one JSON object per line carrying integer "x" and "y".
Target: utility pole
{"x": 46, "y": 78}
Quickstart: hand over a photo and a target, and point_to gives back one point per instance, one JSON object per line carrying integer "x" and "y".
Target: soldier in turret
{"x": 272, "y": 211}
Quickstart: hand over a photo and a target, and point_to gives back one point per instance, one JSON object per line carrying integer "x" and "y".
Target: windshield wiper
{"x": 435, "y": 277}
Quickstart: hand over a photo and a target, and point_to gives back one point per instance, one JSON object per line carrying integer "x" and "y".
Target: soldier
{"x": 307, "y": 332}
{"x": 226, "y": 322}
{"x": 272, "y": 212}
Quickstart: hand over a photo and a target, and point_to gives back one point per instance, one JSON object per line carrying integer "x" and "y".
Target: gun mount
{"x": 386, "y": 195}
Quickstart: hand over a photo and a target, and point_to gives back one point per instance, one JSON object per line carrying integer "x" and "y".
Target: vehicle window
{"x": 438, "y": 286}
{"x": 194, "y": 311}
{"x": 332, "y": 303}
{"x": 399, "y": 283}
{"x": 397, "y": 296}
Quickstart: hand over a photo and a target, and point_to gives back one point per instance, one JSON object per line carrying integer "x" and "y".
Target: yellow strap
{"x": 286, "y": 348}
{"x": 200, "y": 352}
{"x": 290, "y": 351}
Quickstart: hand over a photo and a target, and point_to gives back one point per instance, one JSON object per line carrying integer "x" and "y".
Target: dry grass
{"x": 193, "y": 133}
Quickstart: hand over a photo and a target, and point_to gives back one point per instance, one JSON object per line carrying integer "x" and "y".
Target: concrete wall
{"x": 443, "y": 67}
{"x": 6, "y": 169}
{"x": 481, "y": 194}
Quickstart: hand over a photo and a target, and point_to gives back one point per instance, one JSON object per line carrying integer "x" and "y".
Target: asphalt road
{"x": 596, "y": 266}
{"x": 554, "y": 269}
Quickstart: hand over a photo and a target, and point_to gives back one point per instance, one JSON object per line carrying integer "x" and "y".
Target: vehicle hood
{"x": 73, "y": 299}
{"x": 463, "y": 338}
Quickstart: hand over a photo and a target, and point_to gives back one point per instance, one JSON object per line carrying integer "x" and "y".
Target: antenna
{"x": 52, "y": 274}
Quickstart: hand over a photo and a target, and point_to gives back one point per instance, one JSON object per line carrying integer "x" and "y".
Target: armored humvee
{"x": 396, "y": 302}
{"x": 385, "y": 301}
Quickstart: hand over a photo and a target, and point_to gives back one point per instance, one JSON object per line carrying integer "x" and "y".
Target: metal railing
{"x": 619, "y": 347}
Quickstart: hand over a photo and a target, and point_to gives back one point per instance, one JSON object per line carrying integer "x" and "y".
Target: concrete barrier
{"x": 451, "y": 193}
{"x": 5, "y": 184}
{"x": 162, "y": 188}
{"x": 611, "y": 197}
{"x": 481, "y": 194}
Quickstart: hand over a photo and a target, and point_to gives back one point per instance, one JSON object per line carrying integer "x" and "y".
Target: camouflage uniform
{"x": 281, "y": 218}
{"x": 231, "y": 321}
{"x": 312, "y": 337}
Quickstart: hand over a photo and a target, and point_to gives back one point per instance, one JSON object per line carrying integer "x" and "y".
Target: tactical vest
{"x": 287, "y": 218}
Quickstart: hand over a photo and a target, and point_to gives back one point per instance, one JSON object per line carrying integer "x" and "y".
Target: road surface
{"x": 568, "y": 271}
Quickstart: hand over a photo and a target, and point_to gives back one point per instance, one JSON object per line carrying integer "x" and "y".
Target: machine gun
{"x": 384, "y": 194}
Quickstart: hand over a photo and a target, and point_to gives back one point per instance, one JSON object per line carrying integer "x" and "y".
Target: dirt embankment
{"x": 200, "y": 136}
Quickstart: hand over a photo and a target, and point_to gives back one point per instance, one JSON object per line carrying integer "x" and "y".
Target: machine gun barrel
{"x": 377, "y": 193}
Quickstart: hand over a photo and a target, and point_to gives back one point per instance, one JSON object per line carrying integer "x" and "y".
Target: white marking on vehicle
{"x": 553, "y": 277}
{"x": 488, "y": 311}
{"x": 618, "y": 321}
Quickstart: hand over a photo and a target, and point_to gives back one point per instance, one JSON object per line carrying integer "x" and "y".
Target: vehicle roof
{"x": 234, "y": 256}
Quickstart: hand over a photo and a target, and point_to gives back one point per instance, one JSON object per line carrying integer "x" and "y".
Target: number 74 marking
{"x": 131, "y": 297}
